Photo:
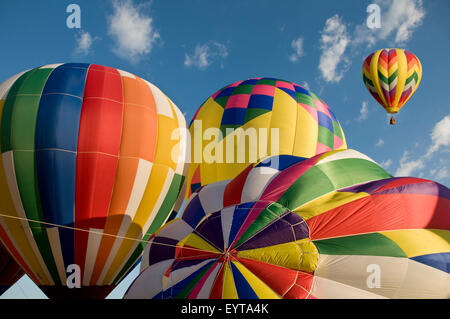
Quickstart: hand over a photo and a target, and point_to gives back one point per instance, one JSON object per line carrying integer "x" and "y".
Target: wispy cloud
{"x": 206, "y": 54}
{"x": 380, "y": 142}
{"x": 333, "y": 42}
{"x": 363, "y": 112}
{"x": 439, "y": 145}
{"x": 386, "y": 164}
{"x": 297, "y": 46}
{"x": 132, "y": 30}
{"x": 83, "y": 43}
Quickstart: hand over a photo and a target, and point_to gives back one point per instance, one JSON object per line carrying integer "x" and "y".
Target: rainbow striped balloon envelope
{"x": 336, "y": 225}
{"x": 254, "y": 119}
{"x": 89, "y": 169}
{"x": 392, "y": 76}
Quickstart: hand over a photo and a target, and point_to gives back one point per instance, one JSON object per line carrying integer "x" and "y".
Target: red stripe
{"x": 281, "y": 279}
{"x": 382, "y": 213}
{"x": 233, "y": 191}
{"x": 216, "y": 290}
{"x": 98, "y": 149}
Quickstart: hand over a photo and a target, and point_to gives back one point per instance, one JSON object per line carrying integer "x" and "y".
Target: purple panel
{"x": 280, "y": 231}
{"x": 159, "y": 253}
{"x": 211, "y": 230}
{"x": 369, "y": 187}
{"x": 187, "y": 263}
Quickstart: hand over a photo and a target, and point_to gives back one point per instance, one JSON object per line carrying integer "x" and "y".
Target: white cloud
{"x": 205, "y": 54}
{"x": 380, "y": 143}
{"x": 334, "y": 41}
{"x": 386, "y": 164}
{"x": 400, "y": 19}
{"x": 306, "y": 85}
{"x": 84, "y": 42}
{"x": 440, "y": 136}
{"x": 440, "y": 142}
{"x": 297, "y": 46}
{"x": 407, "y": 166}
{"x": 132, "y": 30}
{"x": 363, "y": 112}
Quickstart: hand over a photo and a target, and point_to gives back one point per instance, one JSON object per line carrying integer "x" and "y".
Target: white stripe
{"x": 93, "y": 244}
{"x": 328, "y": 289}
{"x": 256, "y": 182}
{"x": 227, "y": 220}
{"x": 180, "y": 274}
{"x": 126, "y": 74}
{"x": 55, "y": 245}
{"x": 211, "y": 196}
{"x": 140, "y": 183}
{"x": 6, "y": 85}
{"x": 205, "y": 291}
{"x": 8, "y": 162}
{"x": 161, "y": 101}
{"x": 51, "y": 66}
{"x": 349, "y": 153}
{"x": 163, "y": 194}
{"x": 149, "y": 282}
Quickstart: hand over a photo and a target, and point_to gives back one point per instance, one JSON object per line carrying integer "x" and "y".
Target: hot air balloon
{"x": 304, "y": 228}
{"x": 10, "y": 271}
{"x": 250, "y": 120}
{"x": 90, "y": 168}
{"x": 392, "y": 76}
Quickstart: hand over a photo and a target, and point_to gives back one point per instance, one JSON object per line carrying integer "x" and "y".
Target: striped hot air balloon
{"x": 336, "y": 225}
{"x": 89, "y": 169}
{"x": 286, "y": 119}
{"x": 392, "y": 76}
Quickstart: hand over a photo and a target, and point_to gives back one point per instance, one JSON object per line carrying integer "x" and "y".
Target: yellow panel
{"x": 288, "y": 255}
{"x": 416, "y": 242}
{"x": 401, "y": 75}
{"x": 229, "y": 289}
{"x": 327, "y": 202}
{"x": 196, "y": 241}
{"x": 284, "y": 117}
{"x": 259, "y": 287}
{"x": 305, "y": 142}
{"x": 374, "y": 74}
{"x": 165, "y": 144}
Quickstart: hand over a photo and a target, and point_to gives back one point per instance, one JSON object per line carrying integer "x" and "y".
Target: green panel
{"x": 222, "y": 101}
{"x": 329, "y": 176}
{"x": 267, "y": 216}
{"x": 267, "y": 81}
{"x": 243, "y": 89}
{"x": 24, "y": 162}
{"x": 337, "y": 130}
{"x": 251, "y": 113}
{"x": 305, "y": 99}
{"x": 23, "y": 122}
{"x": 326, "y": 137}
{"x": 373, "y": 244}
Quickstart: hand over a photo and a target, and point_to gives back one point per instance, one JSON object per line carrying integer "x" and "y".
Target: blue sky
{"x": 192, "y": 48}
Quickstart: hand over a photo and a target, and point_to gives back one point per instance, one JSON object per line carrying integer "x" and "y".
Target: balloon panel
{"x": 90, "y": 148}
{"x": 304, "y": 228}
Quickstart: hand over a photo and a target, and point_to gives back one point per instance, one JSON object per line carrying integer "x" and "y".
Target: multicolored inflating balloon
{"x": 285, "y": 118}
{"x": 10, "y": 271}
{"x": 392, "y": 76}
{"x": 90, "y": 148}
{"x": 333, "y": 226}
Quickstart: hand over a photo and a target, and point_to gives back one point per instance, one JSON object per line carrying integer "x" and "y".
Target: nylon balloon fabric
{"x": 87, "y": 172}
{"x": 282, "y": 118}
{"x": 292, "y": 227}
{"x": 392, "y": 76}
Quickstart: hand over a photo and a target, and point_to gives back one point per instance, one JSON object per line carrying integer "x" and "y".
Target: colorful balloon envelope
{"x": 257, "y": 118}
{"x": 336, "y": 225}
{"x": 10, "y": 271}
{"x": 90, "y": 168}
{"x": 392, "y": 76}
